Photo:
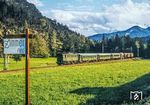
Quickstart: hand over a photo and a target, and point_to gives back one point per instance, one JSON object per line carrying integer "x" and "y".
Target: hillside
{"x": 14, "y": 13}
{"x": 133, "y": 32}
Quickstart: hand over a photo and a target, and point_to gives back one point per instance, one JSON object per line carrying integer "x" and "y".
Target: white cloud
{"x": 36, "y": 2}
{"x": 112, "y": 18}
{"x": 89, "y": 1}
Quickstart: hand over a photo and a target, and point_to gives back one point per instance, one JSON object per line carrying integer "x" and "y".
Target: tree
{"x": 123, "y": 43}
{"x": 53, "y": 43}
{"x": 145, "y": 49}
{"x": 1, "y": 50}
{"x": 13, "y": 14}
{"x": 39, "y": 47}
{"x": 109, "y": 48}
{"x": 148, "y": 48}
{"x": 43, "y": 23}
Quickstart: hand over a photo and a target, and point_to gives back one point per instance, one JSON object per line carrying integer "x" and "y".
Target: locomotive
{"x": 74, "y": 58}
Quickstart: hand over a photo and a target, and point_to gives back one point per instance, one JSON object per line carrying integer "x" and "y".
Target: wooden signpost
{"x": 19, "y": 44}
{"x": 27, "y": 68}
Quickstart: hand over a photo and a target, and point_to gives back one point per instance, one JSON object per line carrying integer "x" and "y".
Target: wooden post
{"x": 8, "y": 59}
{"x": 5, "y": 56}
{"x": 27, "y": 62}
{"x": 27, "y": 71}
{"x": 5, "y": 62}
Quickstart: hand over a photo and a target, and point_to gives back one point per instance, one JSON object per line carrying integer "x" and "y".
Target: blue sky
{"x": 90, "y": 17}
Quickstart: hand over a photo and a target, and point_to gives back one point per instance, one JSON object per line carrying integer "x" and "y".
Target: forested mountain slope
{"x": 51, "y": 36}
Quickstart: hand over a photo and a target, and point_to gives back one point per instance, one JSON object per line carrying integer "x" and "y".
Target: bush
{"x": 17, "y": 58}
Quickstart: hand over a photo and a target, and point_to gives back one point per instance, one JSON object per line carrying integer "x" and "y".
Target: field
{"x": 85, "y": 84}
{"x": 34, "y": 62}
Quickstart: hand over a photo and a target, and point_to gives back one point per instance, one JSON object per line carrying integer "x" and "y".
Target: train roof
{"x": 94, "y": 53}
{"x": 97, "y": 53}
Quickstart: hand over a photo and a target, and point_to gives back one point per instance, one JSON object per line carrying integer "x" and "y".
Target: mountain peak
{"x": 135, "y": 31}
{"x": 135, "y": 27}
{"x": 148, "y": 28}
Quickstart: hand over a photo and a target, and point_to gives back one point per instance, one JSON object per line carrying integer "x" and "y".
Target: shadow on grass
{"x": 116, "y": 95}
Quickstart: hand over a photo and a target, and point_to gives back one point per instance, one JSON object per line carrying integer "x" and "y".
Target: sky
{"x": 90, "y": 17}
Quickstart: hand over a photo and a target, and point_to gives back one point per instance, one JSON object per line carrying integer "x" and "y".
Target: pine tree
{"x": 53, "y": 43}
{"x": 39, "y": 47}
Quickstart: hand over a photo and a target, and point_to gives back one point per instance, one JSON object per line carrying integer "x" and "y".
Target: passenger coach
{"x": 73, "y": 58}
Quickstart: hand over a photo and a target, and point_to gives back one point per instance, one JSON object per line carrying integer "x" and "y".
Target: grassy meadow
{"x": 34, "y": 62}
{"x": 84, "y": 84}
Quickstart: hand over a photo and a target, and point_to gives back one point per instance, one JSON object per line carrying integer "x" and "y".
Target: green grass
{"x": 98, "y": 83}
{"x": 34, "y": 62}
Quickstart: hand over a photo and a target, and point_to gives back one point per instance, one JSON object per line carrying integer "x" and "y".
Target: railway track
{"x": 23, "y": 69}
{"x": 73, "y": 65}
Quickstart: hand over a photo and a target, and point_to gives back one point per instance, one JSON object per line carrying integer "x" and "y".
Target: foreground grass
{"x": 35, "y": 62}
{"x": 98, "y": 83}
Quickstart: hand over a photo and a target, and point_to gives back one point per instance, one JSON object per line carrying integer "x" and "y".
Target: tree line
{"x": 115, "y": 44}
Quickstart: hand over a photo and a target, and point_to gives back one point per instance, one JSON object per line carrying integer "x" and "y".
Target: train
{"x": 75, "y": 58}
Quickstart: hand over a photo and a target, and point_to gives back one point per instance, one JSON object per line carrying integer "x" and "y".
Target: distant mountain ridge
{"x": 133, "y": 32}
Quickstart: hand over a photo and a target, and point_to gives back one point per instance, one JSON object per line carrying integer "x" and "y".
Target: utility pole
{"x": 102, "y": 47}
{"x": 138, "y": 51}
{"x": 5, "y": 62}
{"x": 138, "y": 48}
{"x": 131, "y": 49}
{"x": 103, "y": 44}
